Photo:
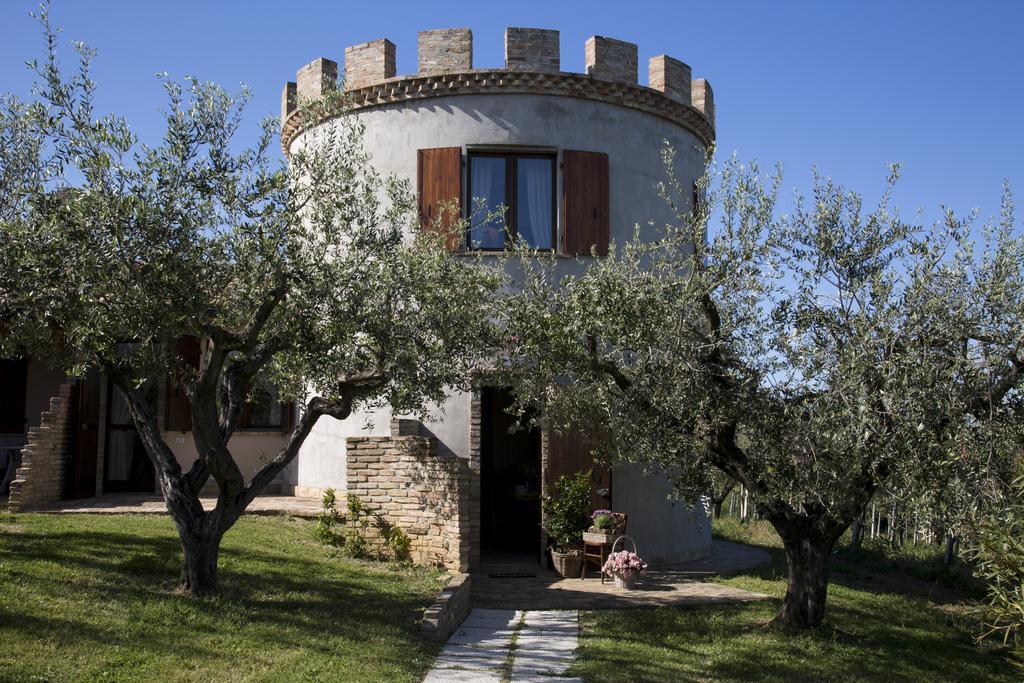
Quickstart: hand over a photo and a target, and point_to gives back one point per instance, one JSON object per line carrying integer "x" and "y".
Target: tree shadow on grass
{"x": 731, "y": 643}
{"x": 267, "y": 595}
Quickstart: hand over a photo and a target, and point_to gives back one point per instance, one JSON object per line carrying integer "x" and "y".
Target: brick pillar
{"x": 289, "y": 96}
{"x": 610, "y": 59}
{"x": 704, "y": 99}
{"x": 46, "y": 458}
{"x": 532, "y": 49}
{"x": 369, "y": 63}
{"x": 315, "y": 79}
{"x": 445, "y": 51}
{"x": 670, "y": 76}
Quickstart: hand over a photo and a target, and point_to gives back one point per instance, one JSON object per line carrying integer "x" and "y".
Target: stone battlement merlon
{"x": 370, "y": 75}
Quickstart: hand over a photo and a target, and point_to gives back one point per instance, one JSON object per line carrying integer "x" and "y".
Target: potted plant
{"x": 565, "y": 520}
{"x": 605, "y": 526}
{"x": 624, "y": 566}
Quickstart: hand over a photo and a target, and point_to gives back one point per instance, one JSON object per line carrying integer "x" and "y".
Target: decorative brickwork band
{"x": 670, "y": 76}
{"x": 445, "y": 51}
{"x": 704, "y": 99}
{"x": 486, "y": 81}
{"x": 316, "y": 78}
{"x": 46, "y": 458}
{"x": 532, "y": 49}
{"x": 368, "y": 63}
{"x": 613, "y": 60}
{"x": 403, "y": 480}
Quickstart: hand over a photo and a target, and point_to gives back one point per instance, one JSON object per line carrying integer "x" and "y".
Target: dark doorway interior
{"x": 14, "y": 381}
{"x": 126, "y": 467}
{"x": 86, "y": 442}
{"x": 510, "y": 478}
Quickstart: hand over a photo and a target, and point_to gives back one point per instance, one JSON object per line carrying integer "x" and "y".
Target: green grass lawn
{"x": 888, "y": 619}
{"x": 90, "y": 597}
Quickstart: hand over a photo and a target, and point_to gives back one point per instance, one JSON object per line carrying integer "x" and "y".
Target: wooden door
{"x": 86, "y": 435}
{"x": 570, "y": 453}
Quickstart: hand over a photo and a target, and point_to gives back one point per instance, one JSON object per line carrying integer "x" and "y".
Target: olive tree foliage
{"x": 809, "y": 356}
{"x": 309, "y": 275}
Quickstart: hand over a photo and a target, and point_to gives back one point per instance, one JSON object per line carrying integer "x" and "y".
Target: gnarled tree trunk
{"x": 199, "y": 567}
{"x": 808, "y": 541}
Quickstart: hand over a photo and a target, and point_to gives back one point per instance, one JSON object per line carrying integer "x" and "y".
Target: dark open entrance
{"x": 126, "y": 466}
{"x": 510, "y": 478}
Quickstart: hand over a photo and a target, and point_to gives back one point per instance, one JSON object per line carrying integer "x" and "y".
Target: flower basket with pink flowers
{"x": 624, "y": 566}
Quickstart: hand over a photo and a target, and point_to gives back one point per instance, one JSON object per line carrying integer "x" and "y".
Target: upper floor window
{"x": 511, "y": 196}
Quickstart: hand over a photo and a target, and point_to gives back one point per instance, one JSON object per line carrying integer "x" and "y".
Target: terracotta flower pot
{"x": 567, "y": 564}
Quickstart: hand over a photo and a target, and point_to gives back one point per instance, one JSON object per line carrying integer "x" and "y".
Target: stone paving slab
{"x": 545, "y": 647}
{"x": 153, "y": 504}
{"x": 680, "y": 584}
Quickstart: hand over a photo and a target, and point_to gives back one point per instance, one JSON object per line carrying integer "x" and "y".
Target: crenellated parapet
{"x": 532, "y": 66}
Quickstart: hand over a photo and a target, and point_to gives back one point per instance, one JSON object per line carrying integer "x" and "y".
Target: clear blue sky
{"x": 848, "y": 86}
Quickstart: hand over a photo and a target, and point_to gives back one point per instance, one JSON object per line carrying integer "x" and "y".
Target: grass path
{"x": 86, "y": 597}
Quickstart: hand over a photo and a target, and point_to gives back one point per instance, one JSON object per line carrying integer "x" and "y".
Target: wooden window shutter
{"x": 570, "y": 453}
{"x": 584, "y": 203}
{"x": 439, "y": 189}
{"x": 178, "y": 414}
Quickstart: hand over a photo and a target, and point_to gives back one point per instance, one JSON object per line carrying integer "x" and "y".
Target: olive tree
{"x": 309, "y": 275}
{"x": 809, "y": 356}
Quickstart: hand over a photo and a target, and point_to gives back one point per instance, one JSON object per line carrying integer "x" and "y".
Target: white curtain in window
{"x": 120, "y": 449}
{"x": 121, "y": 442}
{"x": 535, "y": 190}
{"x": 488, "y": 187}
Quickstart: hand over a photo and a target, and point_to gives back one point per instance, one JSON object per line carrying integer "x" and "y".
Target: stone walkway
{"x": 502, "y": 644}
{"x": 679, "y": 584}
{"x": 153, "y": 504}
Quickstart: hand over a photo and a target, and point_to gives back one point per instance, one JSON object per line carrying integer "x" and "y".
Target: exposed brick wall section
{"x": 369, "y": 63}
{"x": 445, "y": 51}
{"x": 670, "y": 76}
{"x": 404, "y": 481}
{"x": 449, "y": 610}
{"x": 532, "y": 49}
{"x": 46, "y": 458}
{"x": 611, "y": 59}
{"x": 704, "y": 99}
{"x": 315, "y": 79}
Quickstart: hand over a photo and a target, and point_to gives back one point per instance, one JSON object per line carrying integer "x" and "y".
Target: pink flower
{"x": 624, "y": 564}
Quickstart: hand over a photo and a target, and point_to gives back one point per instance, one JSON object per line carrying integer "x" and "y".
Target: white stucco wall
{"x": 633, "y": 141}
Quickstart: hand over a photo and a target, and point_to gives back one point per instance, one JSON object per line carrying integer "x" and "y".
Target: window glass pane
{"x": 533, "y": 201}
{"x": 264, "y": 407}
{"x": 487, "y": 185}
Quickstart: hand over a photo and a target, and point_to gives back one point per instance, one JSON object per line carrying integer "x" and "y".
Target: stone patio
{"x": 153, "y": 504}
{"x": 679, "y": 584}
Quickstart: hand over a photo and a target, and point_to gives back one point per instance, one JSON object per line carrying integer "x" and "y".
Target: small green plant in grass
{"x": 399, "y": 543}
{"x": 358, "y": 523}
{"x": 328, "y": 520}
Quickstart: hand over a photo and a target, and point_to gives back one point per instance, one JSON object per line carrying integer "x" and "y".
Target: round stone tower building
{"x": 575, "y": 159}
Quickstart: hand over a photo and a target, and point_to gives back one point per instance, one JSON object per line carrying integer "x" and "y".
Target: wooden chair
{"x": 598, "y": 552}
